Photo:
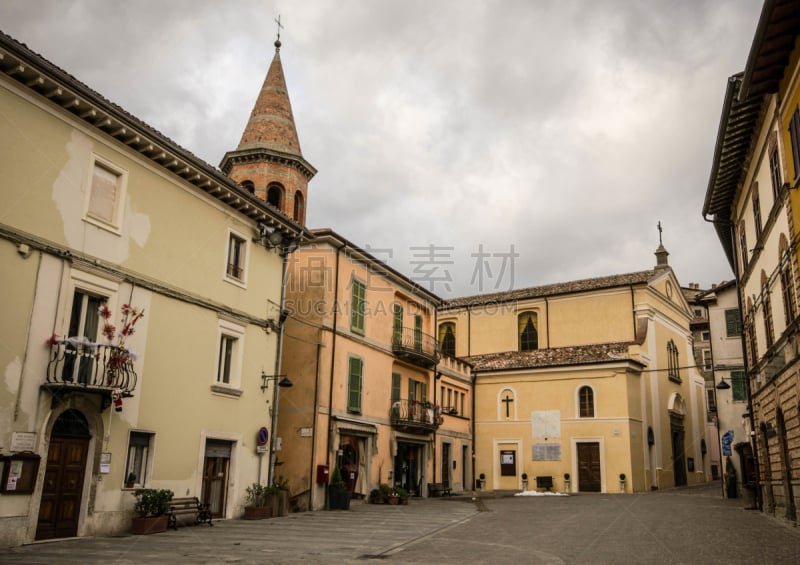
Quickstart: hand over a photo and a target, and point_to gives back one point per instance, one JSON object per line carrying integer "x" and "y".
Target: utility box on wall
{"x": 322, "y": 474}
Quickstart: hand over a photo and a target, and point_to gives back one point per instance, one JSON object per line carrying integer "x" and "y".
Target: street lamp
{"x": 283, "y": 382}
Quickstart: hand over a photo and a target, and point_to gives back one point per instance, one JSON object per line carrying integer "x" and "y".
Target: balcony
{"x": 414, "y": 346}
{"x": 415, "y": 417}
{"x": 78, "y": 365}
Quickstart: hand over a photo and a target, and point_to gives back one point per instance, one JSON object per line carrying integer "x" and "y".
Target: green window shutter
{"x": 354, "y": 385}
{"x": 417, "y": 332}
{"x": 424, "y": 392}
{"x": 412, "y": 389}
{"x": 733, "y": 323}
{"x": 738, "y": 386}
{"x": 358, "y": 306}
{"x": 395, "y": 387}
{"x": 397, "y": 324}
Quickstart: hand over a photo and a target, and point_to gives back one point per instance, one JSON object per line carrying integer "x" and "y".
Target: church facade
{"x": 586, "y": 386}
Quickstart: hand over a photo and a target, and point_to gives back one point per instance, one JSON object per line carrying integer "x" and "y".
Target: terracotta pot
{"x": 149, "y": 525}
{"x": 394, "y": 500}
{"x": 404, "y": 501}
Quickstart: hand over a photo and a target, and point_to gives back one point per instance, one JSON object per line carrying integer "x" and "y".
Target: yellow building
{"x": 368, "y": 381}
{"x": 753, "y": 201}
{"x": 587, "y": 385}
{"x": 103, "y": 219}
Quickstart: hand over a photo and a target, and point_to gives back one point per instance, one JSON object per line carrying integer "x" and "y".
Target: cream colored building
{"x": 99, "y": 209}
{"x": 589, "y": 380}
{"x": 368, "y": 380}
{"x": 752, "y": 199}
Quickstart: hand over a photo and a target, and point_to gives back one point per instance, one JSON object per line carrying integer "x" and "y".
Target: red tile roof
{"x": 553, "y": 357}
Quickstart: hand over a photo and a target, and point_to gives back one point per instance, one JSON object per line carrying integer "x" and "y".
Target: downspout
{"x": 469, "y": 331}
{"x": 547, "y": 320}
{"x": 311, "y": 459}
{"x": 333, "y": 360}
{"x": 714, "y": 384}
{"x": 435, "y": 378}
{"x": 284, "y": 251}
{"x": 472, "y": 422}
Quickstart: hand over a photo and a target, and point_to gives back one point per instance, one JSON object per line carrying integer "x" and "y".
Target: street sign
{"x": 262, "y": 437}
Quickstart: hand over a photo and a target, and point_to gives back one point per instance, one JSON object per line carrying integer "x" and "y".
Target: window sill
{"x": 226, "y": 390}
{"x": 238, "y": 282}
{"x": 675, "y": 379}
{"x": 103, "y": 225}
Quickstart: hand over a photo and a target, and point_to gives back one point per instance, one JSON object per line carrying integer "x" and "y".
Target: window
{"x": 354, "y": 381}
{"x": 397, "y": 324}
{"x": 395, "y": 387}
{"x": 586, "y": 402}
{"x": 136, "y": 466}
{"x": 275, "y": 195}
{"x": 766, "y": 303}
{"x": 786, "y": 282}
{"x": 229, "y": 360}
{"x": 106, "y": 192}
{"x": 794, "y": 139}
{"x": 447, "y": 339}
{"x": 756, "y": 212}
{"x": 733, "y": 323}
{"x": 417, "y": 391}
{"x": 705, "y": 335}
{"x": 698, "y": 312}
{"x": 673, "y": 368}
{"x": 743, "y": 248}
{"x": 249, "y": 186}
{"x": 775, "y": 172}
{"x": 712, "y": 400}
{"x": 84, "y": 322}
{"x": 357, "y": 306}
{"x": 738, "y": 386}
{"x": 706, "y": 359}
{"x": 528, "y": 336}
{"x": 418, "y": 332}
{"x": 299, "y": 206}
{"x": 236, "y": 260}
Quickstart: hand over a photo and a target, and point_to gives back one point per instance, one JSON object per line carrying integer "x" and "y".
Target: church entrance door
{"x": 589, "y": 477}
{"x": 678, "y": 453}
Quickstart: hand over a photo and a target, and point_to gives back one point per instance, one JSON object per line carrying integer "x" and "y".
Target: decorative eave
{"x": 261, "y": 154}
{"x": 41, "y": 77}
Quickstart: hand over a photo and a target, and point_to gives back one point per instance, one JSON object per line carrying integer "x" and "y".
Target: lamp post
{"x": 283, "y": 382}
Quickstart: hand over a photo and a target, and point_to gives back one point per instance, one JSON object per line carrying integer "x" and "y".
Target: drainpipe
{"x": 333, "y": 360}
{"x": 311, "y": 459}
{"x": 472, "y": 421}
{"x": 714, "y": 384}
{"x": 547, "y": 320}
{"x": 469, "y": 331}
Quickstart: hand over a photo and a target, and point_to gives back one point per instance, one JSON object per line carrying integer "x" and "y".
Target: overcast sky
{"x": 448, "y": 135}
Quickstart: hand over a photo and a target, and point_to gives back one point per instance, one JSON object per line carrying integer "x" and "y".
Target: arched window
{"x": 528, "y": 334}
{"x": 766, "y": 303}
{"x": 447, "y": 338}
{"x": 249, "y": 186}
{"x": 299, "y": 206}
{"x": 275, "y": 195}
{"x": 586, "y": 402}
{"x": 786, "y": 280}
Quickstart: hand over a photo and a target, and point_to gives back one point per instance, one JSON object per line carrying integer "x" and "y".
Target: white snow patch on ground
{"x": 536, "y": 493}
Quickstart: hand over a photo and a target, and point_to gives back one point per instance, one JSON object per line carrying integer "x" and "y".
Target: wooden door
{"x": 446, "y": 465}
{"x": 215, "y": 481}
{"x": 589, "y": 478}
{"x": 63, "y": 488}
{"x": 678, "y": 453}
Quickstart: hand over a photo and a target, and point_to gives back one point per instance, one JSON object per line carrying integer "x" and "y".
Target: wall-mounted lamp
{"x": 723, "y": 384}
{"x": 284, "y": 381}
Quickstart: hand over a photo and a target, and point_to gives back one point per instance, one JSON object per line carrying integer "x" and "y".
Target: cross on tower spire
{"x": 280, "y": 26}
{"x": 659, "y": 233}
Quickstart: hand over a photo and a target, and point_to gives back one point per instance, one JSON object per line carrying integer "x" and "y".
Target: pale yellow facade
{"x": 366, "y": 393}
{"x": 158, "y": 237}
{"x": 606, "y": 338}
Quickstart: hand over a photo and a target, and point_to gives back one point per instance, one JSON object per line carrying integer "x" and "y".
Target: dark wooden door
{"x": 589, "y": 467}
{"x": 446, "y": 465}
{"x": 215, "y": 481}
{"x": 63, "y": 488}
{"x": 678, "y": 454}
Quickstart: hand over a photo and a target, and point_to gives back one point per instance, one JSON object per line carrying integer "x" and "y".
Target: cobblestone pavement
{"x": 689, "y": 526}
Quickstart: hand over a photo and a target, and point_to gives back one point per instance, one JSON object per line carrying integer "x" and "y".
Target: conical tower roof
{"x": 271, "y": 123}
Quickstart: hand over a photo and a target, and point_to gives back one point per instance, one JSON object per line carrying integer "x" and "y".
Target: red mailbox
{"x": 322, "y": 474}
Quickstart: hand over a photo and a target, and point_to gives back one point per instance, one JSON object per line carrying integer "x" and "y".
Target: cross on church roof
{"x": 278, "y": 21}
{"x": 659, "y": 233}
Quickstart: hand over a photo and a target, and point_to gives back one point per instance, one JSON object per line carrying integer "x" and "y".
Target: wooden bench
{"x": 438, "y": 489}
{"x": 189, "y": 506}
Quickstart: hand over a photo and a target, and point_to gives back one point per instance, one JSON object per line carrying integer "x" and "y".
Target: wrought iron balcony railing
{"x": 415, "y": 346}
{"x": 90, "y": 367}
{"x": 415, "y": 416}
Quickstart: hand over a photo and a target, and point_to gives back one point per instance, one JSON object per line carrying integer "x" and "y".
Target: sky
{"x": 475, "y": 146}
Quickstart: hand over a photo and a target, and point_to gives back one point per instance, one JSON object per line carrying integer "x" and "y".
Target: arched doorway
{"x": 677, "y": 432}
{"x": 62, "y": 490}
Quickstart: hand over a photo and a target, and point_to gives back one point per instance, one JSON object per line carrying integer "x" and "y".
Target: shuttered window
{"x": 358, "y": 306}
{"x": 354, "y": 384}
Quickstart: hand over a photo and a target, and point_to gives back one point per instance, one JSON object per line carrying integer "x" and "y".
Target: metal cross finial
{"x": 659, "y": 233}
{"x": 278, "y": 21}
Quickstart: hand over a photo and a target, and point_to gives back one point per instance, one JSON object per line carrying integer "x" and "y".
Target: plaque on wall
{"x": 547, "y": 452}
{"x": 546, "y": 423}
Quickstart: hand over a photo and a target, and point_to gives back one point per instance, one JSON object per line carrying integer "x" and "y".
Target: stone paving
{"x": 692, "y": 525}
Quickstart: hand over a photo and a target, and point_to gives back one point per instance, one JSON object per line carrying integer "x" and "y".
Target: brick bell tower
{"x": 268, "y": 161}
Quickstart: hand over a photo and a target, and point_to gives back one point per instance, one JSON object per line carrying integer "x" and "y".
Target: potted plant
{"x": 730, "y": 478}
{"x": 280, "y": 489}
{"x": 402, "y": 495}
{"x": 566, "y": 482}
{"x": 482, "y": 481}
{"x": 375, "y": 496}
{"x": 338, "y": 497}
{"x": 394, "y": 497}
{"x": 256, "y": 506}
{"x": 524, "y": 481}
{"x": 151, "y": 507}
{"x": 131, "y": 480}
